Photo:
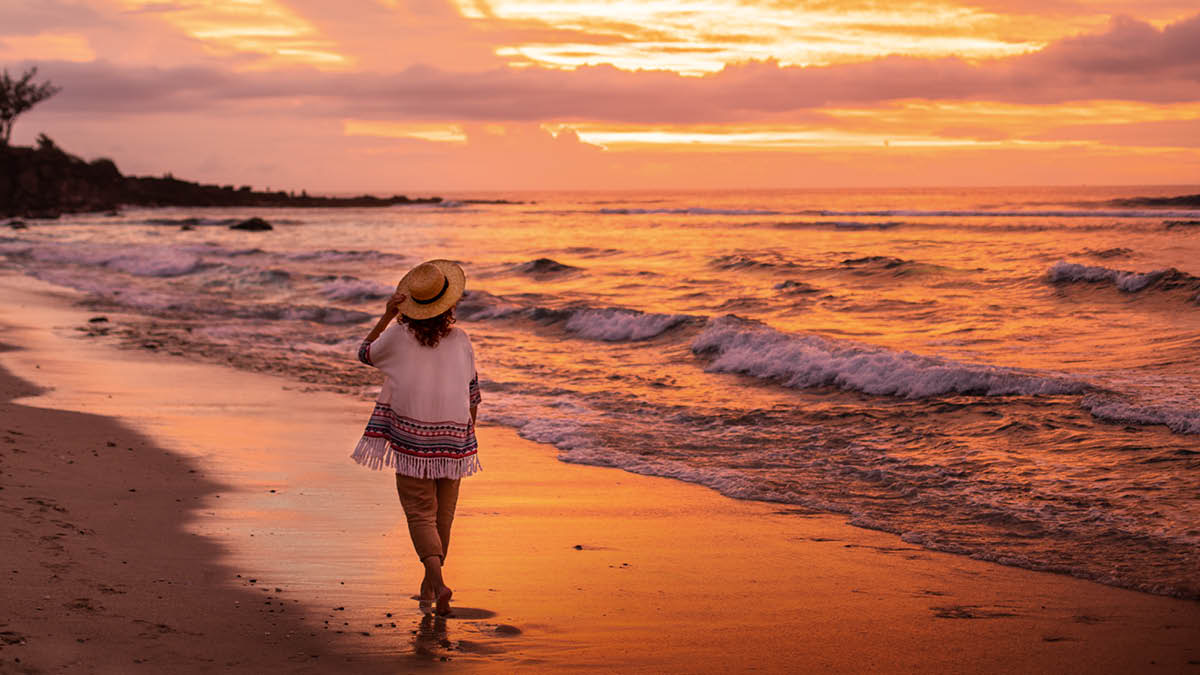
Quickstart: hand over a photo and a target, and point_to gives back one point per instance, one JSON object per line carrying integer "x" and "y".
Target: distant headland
{"x": 46, "y": 182}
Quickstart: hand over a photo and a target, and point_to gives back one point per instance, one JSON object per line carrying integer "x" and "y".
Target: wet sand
{"x": 554, "y": 566}
{"x": 100, "y": 574}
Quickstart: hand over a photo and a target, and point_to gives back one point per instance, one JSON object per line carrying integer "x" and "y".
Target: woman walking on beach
{"x": 423, "y": 424}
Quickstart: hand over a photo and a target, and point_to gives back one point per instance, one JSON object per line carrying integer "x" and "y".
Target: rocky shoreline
{"x": 46, "y": 182}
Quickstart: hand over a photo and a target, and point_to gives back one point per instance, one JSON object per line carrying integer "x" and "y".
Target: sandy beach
{"x": 812, "y": 337}
{"x": 174, "y": 516}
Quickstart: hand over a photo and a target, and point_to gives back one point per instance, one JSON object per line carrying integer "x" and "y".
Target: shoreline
{"x": 102, "y": 574}
{"x": 670, "y": 577}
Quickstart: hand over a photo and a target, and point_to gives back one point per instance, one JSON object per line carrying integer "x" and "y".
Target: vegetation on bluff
{"x": 45, "y": 181}
{"x": 18, "y": 96}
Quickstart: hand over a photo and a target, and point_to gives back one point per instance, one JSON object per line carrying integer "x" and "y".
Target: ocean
{"x": 1008, "y": 374}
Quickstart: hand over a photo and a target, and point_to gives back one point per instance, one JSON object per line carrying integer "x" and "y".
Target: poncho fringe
{"x": 376, "y": 452}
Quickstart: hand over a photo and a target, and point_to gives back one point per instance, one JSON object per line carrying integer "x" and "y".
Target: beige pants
{"x": 429, "y": 506}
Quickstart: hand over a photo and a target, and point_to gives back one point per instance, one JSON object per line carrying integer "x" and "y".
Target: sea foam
{"x": 608, "y": 324}
{"x": 737, "y": 345}
{"x": 622, "y": 325}
{"x": 1129, "y": 282}
{"x": 1178, "y": 419}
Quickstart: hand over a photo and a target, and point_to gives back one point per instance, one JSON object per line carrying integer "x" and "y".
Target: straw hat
{"x": 432, "y": 288}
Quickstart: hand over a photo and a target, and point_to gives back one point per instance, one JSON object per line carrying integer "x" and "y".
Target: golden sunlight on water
{"x": 1000, "y": 373}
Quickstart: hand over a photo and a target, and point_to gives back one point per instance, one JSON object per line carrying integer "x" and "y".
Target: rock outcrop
{"x": 254, "y": 224}
{"x": 45, "y": 182}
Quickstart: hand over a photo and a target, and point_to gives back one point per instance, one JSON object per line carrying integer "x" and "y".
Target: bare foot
{"x": 443, "y": 601}
{"x": 426, "y": 599}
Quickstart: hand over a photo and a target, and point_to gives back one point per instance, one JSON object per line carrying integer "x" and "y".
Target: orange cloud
{"x": 437, "y": 132}
{"x": 48, "y": 46}
{"x": 694, "y": 37}
{"x": 282, "y": 152}
{"x": 262, "y": 27}
{"x": 1130, "y": 61}
{"x": 391, "y": 94}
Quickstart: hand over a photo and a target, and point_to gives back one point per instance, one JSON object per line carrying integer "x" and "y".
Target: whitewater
{"x": 1007, "y": 374}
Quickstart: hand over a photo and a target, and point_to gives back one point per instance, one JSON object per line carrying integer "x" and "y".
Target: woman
{"x": 423, "y": 425}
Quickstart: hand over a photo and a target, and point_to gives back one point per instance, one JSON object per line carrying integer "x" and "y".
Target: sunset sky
{"x": 425, "y": 95}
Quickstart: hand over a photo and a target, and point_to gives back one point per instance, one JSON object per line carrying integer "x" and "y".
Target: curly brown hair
{"x": 430, "y": 331}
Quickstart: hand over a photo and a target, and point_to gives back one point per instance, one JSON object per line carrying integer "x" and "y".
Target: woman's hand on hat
{"x": 394, "y": 302}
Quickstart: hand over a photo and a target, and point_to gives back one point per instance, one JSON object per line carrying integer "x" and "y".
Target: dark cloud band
{"x": 1131, "y": 60}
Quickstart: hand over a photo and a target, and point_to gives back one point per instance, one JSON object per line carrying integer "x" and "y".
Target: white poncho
{"x": 422, "y": 424}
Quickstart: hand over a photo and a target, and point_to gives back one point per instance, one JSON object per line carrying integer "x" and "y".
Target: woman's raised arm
{"x": 389, "y": 314}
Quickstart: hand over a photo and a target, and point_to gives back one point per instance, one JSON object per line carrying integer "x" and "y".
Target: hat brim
{"x": 456, "y": 281}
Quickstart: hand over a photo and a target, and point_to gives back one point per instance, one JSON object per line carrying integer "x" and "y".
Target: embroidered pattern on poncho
{"x": 415, "y": 448}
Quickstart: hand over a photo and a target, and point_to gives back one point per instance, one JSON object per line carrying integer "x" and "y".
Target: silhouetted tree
{"x": 18, "y": 96}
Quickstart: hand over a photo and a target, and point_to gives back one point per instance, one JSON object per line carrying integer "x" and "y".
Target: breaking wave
{"x": 737, "y": 345}
{"x": 1178, "y": 419}
{"x": 607, "y": 324}
{"x": 622, "y": 325}
{"x": 1130, "y": 282}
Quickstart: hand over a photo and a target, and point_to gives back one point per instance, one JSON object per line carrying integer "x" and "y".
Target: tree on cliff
{"x": 18, "y": 96}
